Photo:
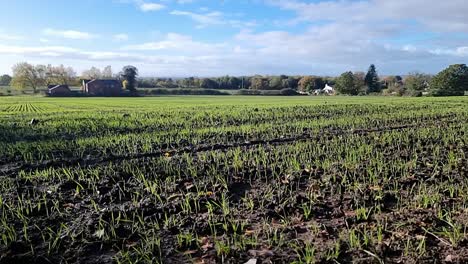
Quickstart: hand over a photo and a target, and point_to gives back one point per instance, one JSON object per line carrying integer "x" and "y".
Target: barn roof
{"x": 59, "y": 86}
{"x": 109, "y": 81}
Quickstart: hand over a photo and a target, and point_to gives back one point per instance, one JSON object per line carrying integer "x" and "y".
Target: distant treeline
{"x": 307, "y": 83}
{"x": 451, "y": 81}
{"x": 225, "y": 83}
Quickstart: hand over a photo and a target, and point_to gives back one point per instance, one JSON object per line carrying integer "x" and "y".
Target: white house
{"x": 328, "y": 89}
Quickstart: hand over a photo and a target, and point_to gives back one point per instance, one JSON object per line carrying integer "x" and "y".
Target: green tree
{"x": 311, "y": 83}
{"x": 416, "y": 82}
{"x": 347, "y": 84}
{"x": 391, "y": 81}
{"x": 26, "y": 75}
{"x": 290, "y": 82}
{"x": 372, "y": 80}
{"x": 129, "y": 74}
{"x": 234, "y": 83}
{"x": 451, "y": 81}
{"x": 399, "y": 79}
{"x": 393, "y": 85}
{"x": 260, "y": 83}
{"x": 208, "y": 83}
{"x": 276, "y": 83}
{"x": 5, "y": 80}
{"x": 189, "y": 82}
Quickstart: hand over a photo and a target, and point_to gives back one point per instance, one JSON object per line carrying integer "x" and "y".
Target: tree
{"x": 167, "y": 83}
{"x": 360, "y": 81}
{"x": 347, "y": 84}
{"x": 276, "y": 83}
{"x": 187, "y": 82}
{"x": 416, "y": 82}
{"x": 311, "y": 83}
{"x": 246, "y": 82}
{"x": 451, "y": 81}
{"x": 5, "y": 80}
{"x": 147, "y": 83}
{"x": 391, "y": 81}
{"x": 372, "y": 80}
{"x": 234, "y": 83}
{"x": 393, "y": 85}
{"x": 208, "y": 83}
{"x": 259, "y": 83}
{"x": 93, "y": 73}
{"x": 290, "y": 82}
{"x": 26, "y": 75}
{"x": 129, "y": 74}
{"x": 63, "y": 75}
{"x": 107, "y": 72}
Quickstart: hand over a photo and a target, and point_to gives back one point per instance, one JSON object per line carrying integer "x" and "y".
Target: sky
{"x": 207, "y": 38}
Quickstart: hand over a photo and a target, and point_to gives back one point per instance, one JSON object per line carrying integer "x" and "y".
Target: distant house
{"x": 99, "y": 87}
{"x": 59, "y": 90}
{"x": 328, "y": 90}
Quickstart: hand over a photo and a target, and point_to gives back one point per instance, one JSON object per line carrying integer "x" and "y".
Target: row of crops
{"x": 28, "y": 108}
{"x": 215, "y": 180}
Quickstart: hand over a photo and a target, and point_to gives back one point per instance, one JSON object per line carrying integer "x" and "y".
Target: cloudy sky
{"x": 236, "y": 37}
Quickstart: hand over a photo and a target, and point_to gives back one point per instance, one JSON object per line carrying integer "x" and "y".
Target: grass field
{"x": 231, "y": 179}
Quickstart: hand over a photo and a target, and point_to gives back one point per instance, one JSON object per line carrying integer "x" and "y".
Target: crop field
{"x": 234, "y": 180}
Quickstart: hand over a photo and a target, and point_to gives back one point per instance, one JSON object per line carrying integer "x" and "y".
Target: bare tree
{"x": 59, "y": 74}
{"x": 107, "y": 72}
{"x": 64, "y": 75}
{"x": 93, "y": 73}
{"x": 26, "y": 75}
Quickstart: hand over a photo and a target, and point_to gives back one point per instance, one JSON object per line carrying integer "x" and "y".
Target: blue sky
{"x": 243, "y": 37}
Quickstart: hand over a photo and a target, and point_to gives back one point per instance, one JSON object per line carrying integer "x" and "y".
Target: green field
{"x": 229, "y": 179}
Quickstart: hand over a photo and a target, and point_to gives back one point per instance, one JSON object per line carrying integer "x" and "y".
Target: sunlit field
{"x": 232, "y": 179}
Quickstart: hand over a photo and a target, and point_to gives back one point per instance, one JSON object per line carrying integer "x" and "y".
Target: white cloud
{"x": 213, "y": 18}
{"x": 11, "y": 37}
{"x": 458, "y": 52}
{"x": 179, "y": 43}
{"x": 184, "y": 1}
{"x": 398, "y": 36}
{"x": 434, "y": 14}
{"x": 68, "y": 34}
{"x": 8, "y": 49}
{"x": 50, "y": 54}
{"x": 321, "y": 49}
{"x": 462, "y": 51}
{"x": 6, "y": 36}
{"x": 147, "y": 7}
{"x": 262, "y": 53}
{"x": 72, "y": 53}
